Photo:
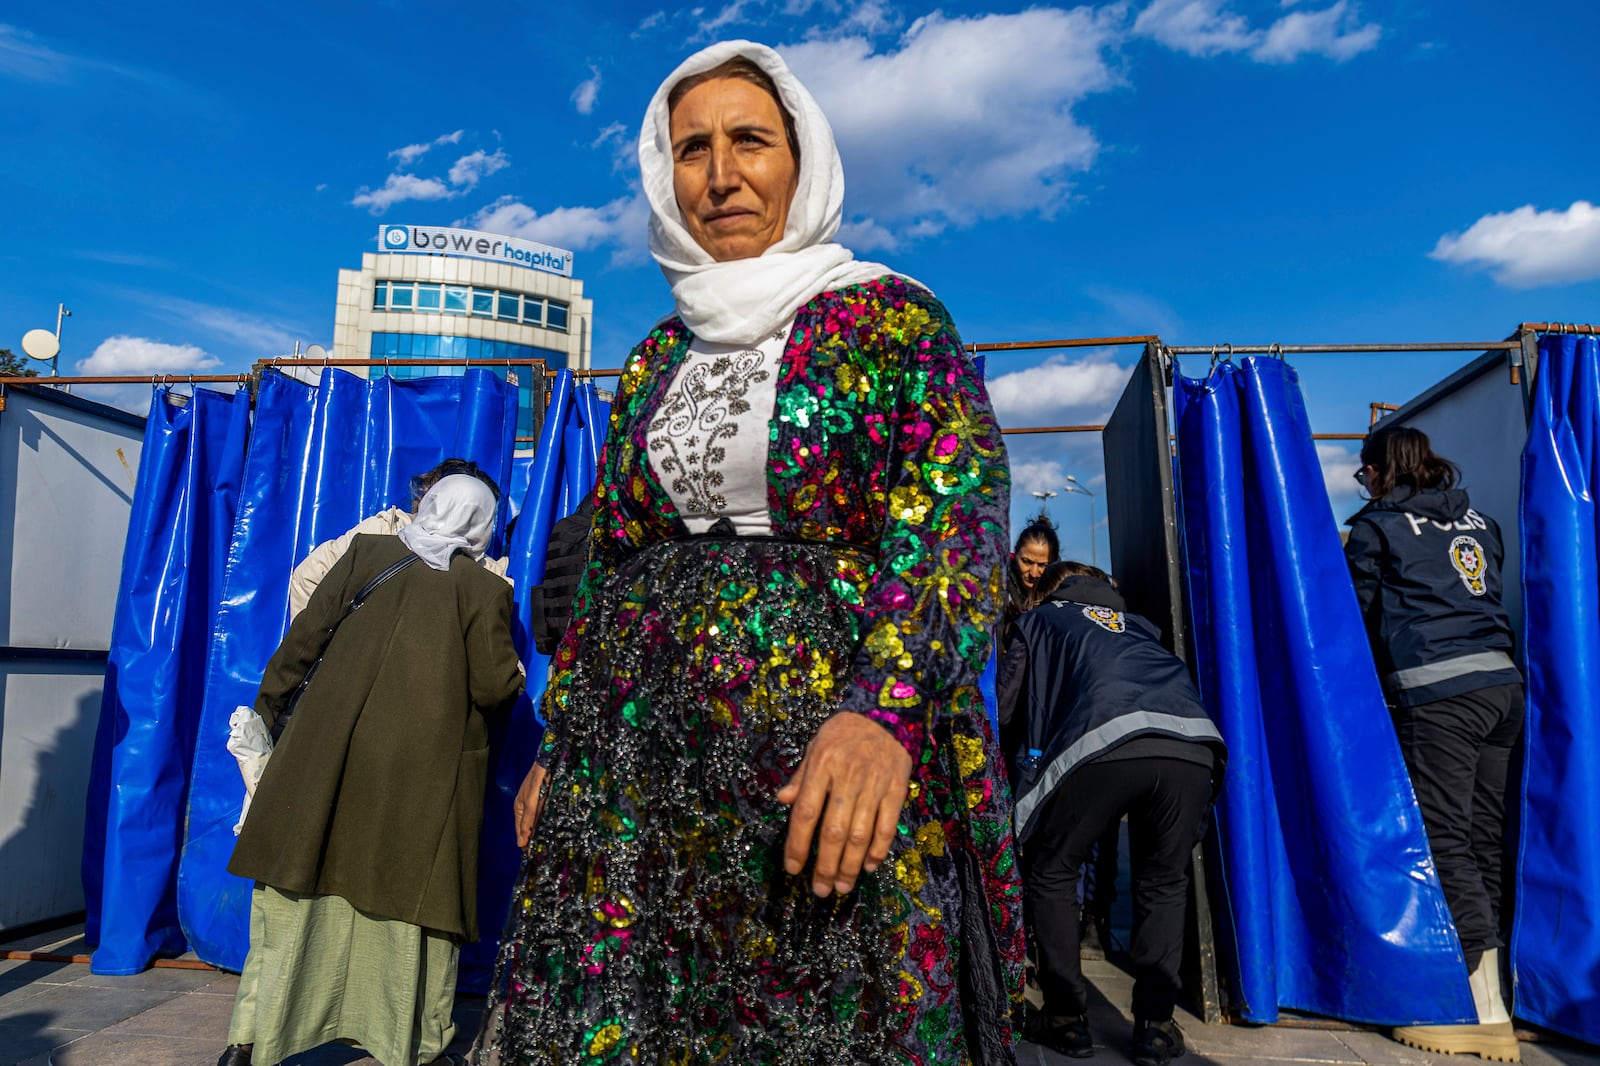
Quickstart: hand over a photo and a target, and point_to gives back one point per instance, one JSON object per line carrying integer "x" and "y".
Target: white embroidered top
{"x": 708, "y": 442}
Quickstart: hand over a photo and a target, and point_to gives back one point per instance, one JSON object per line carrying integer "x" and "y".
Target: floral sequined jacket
{"x": 882, "y": 439}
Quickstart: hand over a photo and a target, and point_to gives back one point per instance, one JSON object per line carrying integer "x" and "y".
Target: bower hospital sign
{"x": 438, "y": 240}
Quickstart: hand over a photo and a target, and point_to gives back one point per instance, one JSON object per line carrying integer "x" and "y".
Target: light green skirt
{"x": 319, "y": 970}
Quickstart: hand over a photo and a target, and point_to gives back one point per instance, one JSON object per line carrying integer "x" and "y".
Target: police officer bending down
{"x": 1115, "y": 727}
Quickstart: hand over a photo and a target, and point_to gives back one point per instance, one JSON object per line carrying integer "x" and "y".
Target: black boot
{"x": 1064, "y": 1034}
{"x": 1156, "y": 1043}
{"x": 236, "y": 1055}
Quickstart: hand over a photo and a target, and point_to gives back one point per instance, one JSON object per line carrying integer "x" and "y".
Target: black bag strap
{"x": 282, "y": 720}
{"x": 372, "y": 586}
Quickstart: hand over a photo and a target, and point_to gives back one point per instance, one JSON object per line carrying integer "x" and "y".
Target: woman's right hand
{"x": 530, "y": 801}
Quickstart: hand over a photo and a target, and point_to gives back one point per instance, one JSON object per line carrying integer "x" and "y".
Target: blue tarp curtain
{"x": 318, "y": 460}
{"x": 1556, "y": 938}
{"x": 178, "y": 533}
{"x": 1328, "y": 886}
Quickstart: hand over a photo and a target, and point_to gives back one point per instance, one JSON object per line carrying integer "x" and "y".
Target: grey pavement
{"x": 59, "y": 1013}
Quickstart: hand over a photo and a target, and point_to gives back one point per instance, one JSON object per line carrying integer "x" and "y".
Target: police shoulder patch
{"x": 1469, "y": 561}
{"x": 1106, "y": 618}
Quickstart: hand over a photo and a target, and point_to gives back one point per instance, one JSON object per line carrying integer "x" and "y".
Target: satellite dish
{"x": 316, "y": 351}
{"x": 40, "y": 344}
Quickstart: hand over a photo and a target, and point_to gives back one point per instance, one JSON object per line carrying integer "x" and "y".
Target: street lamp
{"x": 1072, "y": 485}
{"x": 1044, "y": 499}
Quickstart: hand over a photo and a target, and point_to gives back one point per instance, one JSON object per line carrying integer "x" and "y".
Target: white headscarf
{"x": 457, "y": 514}
{"x": 744, "y": 300}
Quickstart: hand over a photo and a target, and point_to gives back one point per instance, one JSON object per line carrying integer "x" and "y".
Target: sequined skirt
{"x": 655, "y": 923}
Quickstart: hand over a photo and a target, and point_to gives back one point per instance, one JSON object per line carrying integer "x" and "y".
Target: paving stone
{"x": 25, "y": 1041}
{"x": 1266, "y": 1044}
{"x": 68, "y": 1007}
{"x": 113, "y": 1048}
{"x": 191, "y": 1013}
{"x": 17, "y": 972}
{"x": 155, "y": 979}
{"x": 25, "y": 1001}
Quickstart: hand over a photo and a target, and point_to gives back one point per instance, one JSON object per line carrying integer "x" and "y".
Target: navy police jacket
{"x": 1426, "y": 568}
{"x": 1091, "y": 677}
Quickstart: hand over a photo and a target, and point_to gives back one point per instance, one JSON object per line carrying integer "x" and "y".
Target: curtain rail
{"x": 1560, "y": 327}
{"x": 1336, "y": 349}
{"x": 133, "y": 379}
{"x": 1073, "y": 342}
{"x": 1024, "y": 430}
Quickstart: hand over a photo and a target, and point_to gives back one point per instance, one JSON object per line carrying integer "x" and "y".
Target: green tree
{"x": 15, "y": 366}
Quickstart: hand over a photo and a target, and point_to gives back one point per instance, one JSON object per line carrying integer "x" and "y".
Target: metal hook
{"x": 1229, "y": 356}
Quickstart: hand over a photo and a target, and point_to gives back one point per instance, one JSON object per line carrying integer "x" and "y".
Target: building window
{"x": 480, "y": 303}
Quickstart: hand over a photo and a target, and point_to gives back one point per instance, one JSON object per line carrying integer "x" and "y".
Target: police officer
{"x": 1426, "y": 568}
{"x": 1115, "y": 727}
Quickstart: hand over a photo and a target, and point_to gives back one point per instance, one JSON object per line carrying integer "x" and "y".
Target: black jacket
{"x": 550, "y": 603}
{"x": 1092, "y": 677}
{"x": 1426, "y": 568}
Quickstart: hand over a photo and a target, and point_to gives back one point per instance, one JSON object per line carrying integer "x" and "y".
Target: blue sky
{"x": 189, "y": 180}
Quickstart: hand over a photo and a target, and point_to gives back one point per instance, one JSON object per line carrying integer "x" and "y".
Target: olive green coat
{"x": 375, "y": 791}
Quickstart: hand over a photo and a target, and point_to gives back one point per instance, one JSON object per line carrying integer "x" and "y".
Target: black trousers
{"x": 1165, "y": 801}
{"x": 1458, "y": 751}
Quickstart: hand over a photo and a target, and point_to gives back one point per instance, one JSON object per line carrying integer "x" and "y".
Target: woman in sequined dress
{"x": 766, "y": 822}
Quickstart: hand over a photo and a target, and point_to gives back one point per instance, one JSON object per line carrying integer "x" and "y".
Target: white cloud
{"x": 1526, "y": 247}
{"x": 1196, "y": 27}
{"x": 866, "y": 235}
{"x": 731, "y": 13}
{"x": 467, "y": 171}
{"x": 1136, "y": 312}
{"x": 587, "y": 92}
{"x": 398, "y": 188}
{"x": 650, "y": 22}
{"x": 619, "y": 224}
{"x": 1060, "y": 386}
{"x": 140, "y": 355}
{"x": 1334, "y": 32}
{"x": 967, "y": 118}
{"x": 411, "y": 152}
{"x": 23, "y": 56}
{"x": 462, "y": 178}
{"x": 1339, "y": 462}
{"x": 1211, "y": 27}
{"x": 245, "y": 333}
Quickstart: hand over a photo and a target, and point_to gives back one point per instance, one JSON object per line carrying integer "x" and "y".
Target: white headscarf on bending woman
{"x": 744, "y": 300}
{"x": 457, "y": 514}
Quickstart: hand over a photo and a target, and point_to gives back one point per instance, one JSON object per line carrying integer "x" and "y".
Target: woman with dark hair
{"x": 1426, "y": 568}
{"x": 766, "y": 823}
{"x": 1037, "y": 547}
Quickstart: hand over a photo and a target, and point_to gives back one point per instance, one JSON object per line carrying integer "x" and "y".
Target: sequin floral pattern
{"x": 655, "y": 922}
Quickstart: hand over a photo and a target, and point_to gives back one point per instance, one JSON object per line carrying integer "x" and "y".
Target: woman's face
{"x": 1032, "y": 558}
{"x": 732, "y": 171}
